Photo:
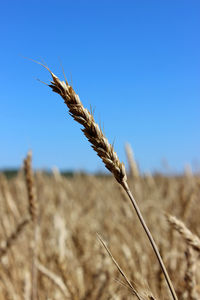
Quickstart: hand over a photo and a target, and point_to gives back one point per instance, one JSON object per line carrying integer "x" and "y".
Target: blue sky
{"x": 137, "y": 63}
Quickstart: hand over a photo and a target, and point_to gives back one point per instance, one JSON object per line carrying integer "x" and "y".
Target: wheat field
{"x": 71, "y": 262}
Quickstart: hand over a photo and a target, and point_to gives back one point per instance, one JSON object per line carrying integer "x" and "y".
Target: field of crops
{"x": 51, "y": 230}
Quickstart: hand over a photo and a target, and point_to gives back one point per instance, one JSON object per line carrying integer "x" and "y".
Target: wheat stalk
{"x": 13, "y": 237}
{"x": 33, "y": 211}
{"x": 105, "y": 151}
{"x": 190, "y": 274}
{"x": 55, "y": 279}
{"x": 119, "y": 268}
{"x": 30, "y": 187}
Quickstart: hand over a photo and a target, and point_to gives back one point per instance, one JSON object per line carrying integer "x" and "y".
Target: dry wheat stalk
{"x": 27, "y": 286}
{"x": 55, "y": 279}
{"x": 119, "y": 269}
{"x": 188, "y": 236}
{"x": 12, "y": 238}
{"x": 161, "y": 282}
{"x": 190, "y": 274}
{"x": 105, "y": 151}
{"x": 33, "y": 211}
{"x": 7, "y": 195}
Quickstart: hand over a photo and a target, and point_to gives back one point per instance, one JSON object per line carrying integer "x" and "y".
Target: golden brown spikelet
{"x": 91, "y": 129}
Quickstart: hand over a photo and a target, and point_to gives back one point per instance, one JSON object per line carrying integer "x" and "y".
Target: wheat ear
{"x": 33, "y": 211}
{"x": 133, "y": 168}
{"x": 105, "y": 151}
{"x": 30, "y": 187}
{"x": 190, "y": 238}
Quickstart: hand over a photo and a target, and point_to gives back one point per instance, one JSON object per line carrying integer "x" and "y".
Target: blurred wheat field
{"x": 72, "y": 263}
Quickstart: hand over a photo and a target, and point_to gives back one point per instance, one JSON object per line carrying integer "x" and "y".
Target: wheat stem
{"x": 33, "y": 211}
{"x": 119, "y": 268}
{"x": 190, "y": 273}
{"x": 54, "y": 278}
{"x": 14, "y": 235}
{"x": 151, "y": 240}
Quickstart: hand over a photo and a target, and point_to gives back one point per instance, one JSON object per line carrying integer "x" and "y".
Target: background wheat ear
{"x": 105, "y": 151}
{"x": 133, "y": 168}
{"x": 190, "y": 238}
{"x": 33, "y": 211}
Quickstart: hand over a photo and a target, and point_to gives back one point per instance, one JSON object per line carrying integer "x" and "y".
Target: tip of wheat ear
{"x": 90, "y": 129}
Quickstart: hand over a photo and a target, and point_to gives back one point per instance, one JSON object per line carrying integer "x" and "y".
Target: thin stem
{"x": 119, "y": 269}
{"x": 34, "y": 269}
{"x": 153, "y": 244}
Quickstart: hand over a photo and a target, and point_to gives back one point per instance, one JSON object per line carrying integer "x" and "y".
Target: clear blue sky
{"x": 136, "y": 62}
